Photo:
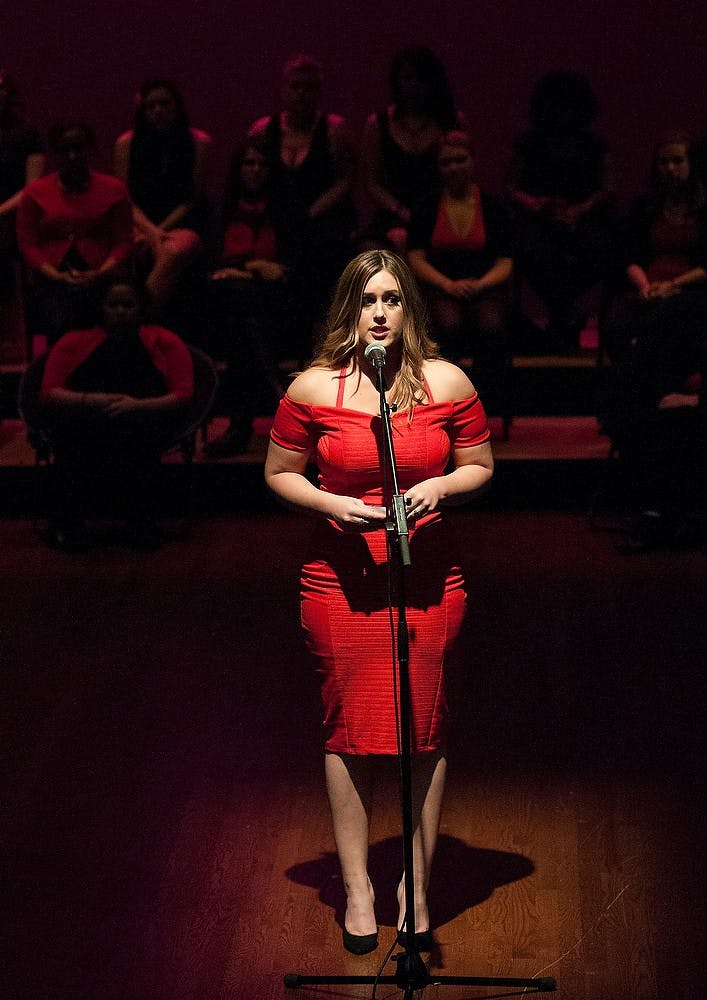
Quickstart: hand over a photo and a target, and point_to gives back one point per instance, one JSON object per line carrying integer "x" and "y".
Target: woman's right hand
{"x": 462, "y": 288}
{"x": 226, "y": 273}
{"x": 354, "y": 515}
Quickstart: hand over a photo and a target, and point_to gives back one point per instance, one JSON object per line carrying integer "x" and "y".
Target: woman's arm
{"x": 113, "y": 404}
{"x": 373, "y": 173}
{"x": 344, "y": 156}
{"x": 473, "y": 469}
{"x": 498, "y": 274}
{"x": 284, "y": 475}
{"x": 34, "y": 168}
{"x": 428, "y": 274}
{"x": 473, "y": 465}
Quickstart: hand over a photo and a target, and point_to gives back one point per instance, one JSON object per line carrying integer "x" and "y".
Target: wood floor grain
{"x": 165, "y": 834}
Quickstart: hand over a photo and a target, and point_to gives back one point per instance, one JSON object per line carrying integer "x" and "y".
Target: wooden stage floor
{"x": 165, "y": 831}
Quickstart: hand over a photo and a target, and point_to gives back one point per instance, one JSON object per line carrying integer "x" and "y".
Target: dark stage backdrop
{"x": 646, "y": 61}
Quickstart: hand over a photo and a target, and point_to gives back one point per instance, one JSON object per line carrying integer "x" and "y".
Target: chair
{"x": 182, "y": 438}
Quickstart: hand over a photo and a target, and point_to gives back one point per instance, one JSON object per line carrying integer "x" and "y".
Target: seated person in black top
{"x": 114, "y": 395}
{"x": 400, "y": 143}
{"x": 312, "y": 159}
{"x": 560, "y": 193}
{"x": 165, "y": 163}
{"x": 21, "y": 162}
{"x": 459, "y": 249}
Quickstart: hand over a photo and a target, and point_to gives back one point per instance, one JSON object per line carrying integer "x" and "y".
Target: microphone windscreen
{"x": 375, "y": 353}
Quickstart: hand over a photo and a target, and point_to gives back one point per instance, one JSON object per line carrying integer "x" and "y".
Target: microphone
{"x": 375, "y": 353}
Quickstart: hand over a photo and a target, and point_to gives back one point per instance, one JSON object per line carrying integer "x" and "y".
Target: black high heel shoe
{"x": 424, "y": 940}
{"x": 359, "y": 944}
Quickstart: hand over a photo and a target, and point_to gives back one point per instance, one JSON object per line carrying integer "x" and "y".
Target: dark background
{"x": 87, "y": 57}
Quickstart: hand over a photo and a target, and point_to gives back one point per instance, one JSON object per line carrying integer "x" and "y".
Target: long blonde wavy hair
{"x": 340, "y": 344}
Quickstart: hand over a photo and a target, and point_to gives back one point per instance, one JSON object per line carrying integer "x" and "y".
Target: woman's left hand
{"x": 120, "y": 405}
{"x": 663, "y": 290}
{"x": 268, "y": 270}
{"x": 423, "y": 498}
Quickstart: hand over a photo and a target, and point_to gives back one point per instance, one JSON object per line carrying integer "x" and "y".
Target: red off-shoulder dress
{"x": 344, "y": 589}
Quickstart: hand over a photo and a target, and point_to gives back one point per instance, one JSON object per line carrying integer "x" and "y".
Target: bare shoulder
{"x": 258, "y": 127}
{"x": 315, "y": 387}
{"x": 124, "y": 139}
{"x": 201, "y": 137}
{"x": 447, "y": 382}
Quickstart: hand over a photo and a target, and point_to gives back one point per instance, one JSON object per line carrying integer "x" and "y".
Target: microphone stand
{"x": 412, "y": 972}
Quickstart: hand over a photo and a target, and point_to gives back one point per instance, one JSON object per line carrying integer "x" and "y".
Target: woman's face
{"x": 381, "y": 319}
{"x": 673, "y": 164}
{"x": 254, "y": 171}
{"x": 121, "y": 308}
{"x": 73, "y": 152}
{"x": 301, "y": 92}
{"x": 160, "y": 108}
{"x": 456, "y": 168}
{"x": 408, "y": 85}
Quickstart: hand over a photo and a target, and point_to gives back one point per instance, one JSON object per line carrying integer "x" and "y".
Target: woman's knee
{"x": 179, "y": 245}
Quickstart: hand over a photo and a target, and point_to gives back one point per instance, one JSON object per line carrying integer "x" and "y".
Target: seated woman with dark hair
{"x": 74, "y": 230}
{"x": 250, "y": 291}
{"x": 114, "y": 395}
{"x": 400, "y": 143}
{"x": 312, "y": 159}
{"x": 459, "y": 249}
{"x": 561, "y": 196}
{"x": 164, "y": 163}
{"x": 21, "y": 162}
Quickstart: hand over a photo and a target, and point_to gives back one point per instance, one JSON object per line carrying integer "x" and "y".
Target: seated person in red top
{"x": 74, "y": 230}
{"x": 665, "y": 254}
{"x": 114, "y": 395}
{"x": 653, "y": 405}
{"x": 250, "y": 292}
{"x": 459, "y": 249}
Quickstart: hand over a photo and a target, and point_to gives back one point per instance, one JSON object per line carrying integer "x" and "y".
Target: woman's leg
{"x": 349, "y": 782}
{"x": 447, "y": 320}
{"x": 174, "y": 253}
{"x": 429, "y": 772}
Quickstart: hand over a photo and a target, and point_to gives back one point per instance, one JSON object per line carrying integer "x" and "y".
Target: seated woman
{"x": 164, "y": 163}
{"x": 665, "y": 254}
{"x": 21, "y": 162}
{"x": 74, "y": 231}
{"x": 250, "y": 292}
{"x": 400, "y": 143}
{"x": 114, "y": 395}
{"x": 313, "y": 164}
{"x": 653, "y": 406}
{"x": 459, "y": 249}
{"x": 560, "y": 193}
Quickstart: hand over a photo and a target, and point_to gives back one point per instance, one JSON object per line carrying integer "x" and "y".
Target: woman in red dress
{"x": 331, "y": 415}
